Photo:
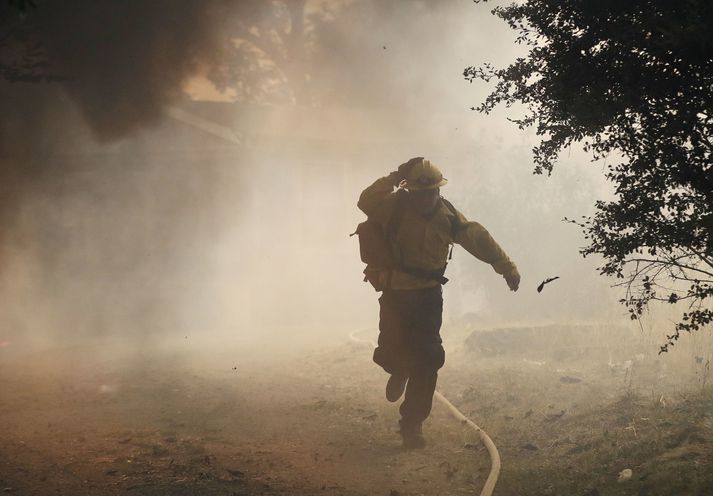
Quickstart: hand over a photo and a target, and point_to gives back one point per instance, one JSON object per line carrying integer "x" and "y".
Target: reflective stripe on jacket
{"x": 422, "y": 242}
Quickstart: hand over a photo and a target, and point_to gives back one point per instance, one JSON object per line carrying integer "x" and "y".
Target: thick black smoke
{"x": 122, "y": 61}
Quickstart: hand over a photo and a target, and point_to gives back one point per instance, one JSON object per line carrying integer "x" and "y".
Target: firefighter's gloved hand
{"x": 395, "y": 178}
{"x": 513, "y": 279}
{"x": 405, "y": 168}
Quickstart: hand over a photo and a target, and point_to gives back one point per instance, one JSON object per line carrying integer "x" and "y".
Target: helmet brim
{"x": 420, "y": 187}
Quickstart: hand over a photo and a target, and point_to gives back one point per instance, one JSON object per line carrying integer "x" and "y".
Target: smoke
{"x": 123, "y": 62}
{"x": 78, "y": 193}
{"x": 119, "y": 63}
{"x": 118, "y": 217}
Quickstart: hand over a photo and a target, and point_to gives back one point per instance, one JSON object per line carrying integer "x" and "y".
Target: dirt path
{"x": 214, "y": 424}
{"x": 95, "y": 420}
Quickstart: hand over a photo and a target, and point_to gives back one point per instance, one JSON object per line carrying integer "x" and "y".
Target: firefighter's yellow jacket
{"x": 423, "y": 242}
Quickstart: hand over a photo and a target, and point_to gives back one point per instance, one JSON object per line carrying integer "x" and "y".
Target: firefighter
{"x": 411, "y": 304}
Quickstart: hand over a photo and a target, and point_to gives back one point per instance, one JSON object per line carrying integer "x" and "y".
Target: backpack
{"x": 376, "y": 249}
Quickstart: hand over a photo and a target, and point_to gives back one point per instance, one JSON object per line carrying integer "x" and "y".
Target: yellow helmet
{"x": 424, "y": 175}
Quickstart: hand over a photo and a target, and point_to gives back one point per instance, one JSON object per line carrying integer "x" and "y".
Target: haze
{"x": 175, "y": 209}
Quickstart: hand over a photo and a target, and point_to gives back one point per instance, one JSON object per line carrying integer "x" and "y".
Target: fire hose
{"x": 492, "y": 479}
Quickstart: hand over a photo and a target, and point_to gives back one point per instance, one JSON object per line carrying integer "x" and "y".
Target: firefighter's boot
{"x": 411, "y": 435}
{"x": 395, "y": 387}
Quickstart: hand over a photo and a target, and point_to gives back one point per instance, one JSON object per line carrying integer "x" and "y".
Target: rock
{"x": 570, "y": 380}
{"x": 625, "y": 475}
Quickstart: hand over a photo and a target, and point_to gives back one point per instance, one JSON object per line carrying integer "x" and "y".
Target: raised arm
{"x": 375, "y": 197}
{"x": 378, "y": 197}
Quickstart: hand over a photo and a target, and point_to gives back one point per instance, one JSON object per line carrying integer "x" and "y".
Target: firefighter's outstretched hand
{"x": 513, "y": 280}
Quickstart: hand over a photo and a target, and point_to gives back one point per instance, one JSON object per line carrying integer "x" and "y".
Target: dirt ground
{"x": 567, "y": 413}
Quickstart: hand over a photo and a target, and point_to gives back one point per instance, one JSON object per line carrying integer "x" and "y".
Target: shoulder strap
{"x": 397, "y": 215}
{"x": 392, "y": 228}
{"x": 455, "y": 223}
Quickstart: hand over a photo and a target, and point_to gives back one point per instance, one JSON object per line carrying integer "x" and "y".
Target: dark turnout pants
{"x": 410, "y": 345}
